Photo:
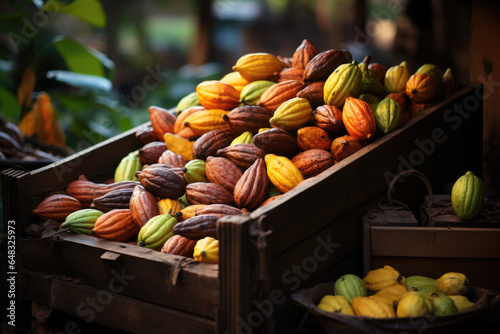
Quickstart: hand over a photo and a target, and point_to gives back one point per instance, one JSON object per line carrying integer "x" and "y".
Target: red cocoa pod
{"x": 207, "y": 193}
{"x": 379, "y": 70}
{"x": 115, "y": 186}
{"x": 242, "y": 155}
{"x": 162, "y": 121}
{"x": 323, "y": 64}
{"x": 276, "y": 141}
{"x": 116, "y": 199}
{"x": 179, "y": 245}
{"x": 173, "y": 159}
{"x": 313, "y": 161}
{"x": 209, "y": 143}
{"x": 143, "y": 206}
{"x": 222, "y": 171}
{"x": 145, "y": 134}
{"x": 116, "y": 225}
{"x": 221, "y": 210}
{"x": 251, "y": 189}
{"x": 161, "y": 181}
{"x": 57, "y": 207}
{"x": 84, "y": 191}
{"x": 303, "y": 54}
{"x": 248, "y": 118}
{"x": 329, "y": 118}
{"x": 197, "y": 227}
{"x": 150, "y": 153}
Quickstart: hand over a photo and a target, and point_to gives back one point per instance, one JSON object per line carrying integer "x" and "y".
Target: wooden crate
{"x": 311, "y": 234}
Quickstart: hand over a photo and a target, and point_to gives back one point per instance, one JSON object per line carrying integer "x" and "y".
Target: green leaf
{"x": 85, "y": 81}
{"x": 89, "y": 11}
{"x": 9, "y": 105}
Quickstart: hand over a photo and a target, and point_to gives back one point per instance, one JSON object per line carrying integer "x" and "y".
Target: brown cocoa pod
{"x": 313, "y": 161}
{"x": 162, "y": 121}
{"x": 222, "y": 171}
{"x": 83, "y": 191}
{"x": 313, "y": 93}
{"x": 324, "y": 63}
{"x": 161, "y": 181}
{"x": 207, "y": 193}
{"x": 150, "y": 153}
{"x": 143, "y": 206}
{"x": 209, "y": 143}
{"x": 290, "y": 73}
{"x": 221, "y": 210}
{"x": 275, "y": 95}
{"x": 344, "y": 146}
{"x": 251, "y": 189}
{"x": 173, "y": 159}
{"x": 329, "y": 118}
{"x": 116, "y": 199}
{"x": 179, "y": 245}
{"x": 248, "y": 118}
{"x": 145, "y": 134}
{"x": 57, "y": 207}
{"x": 242, "y": 155}
{"x": 115, "y": 186}
{"x": 286, "y": 60}
{"x": 303, "y": 54}
{"x": 197, "y": 227}
{"x": 276, "y": 141}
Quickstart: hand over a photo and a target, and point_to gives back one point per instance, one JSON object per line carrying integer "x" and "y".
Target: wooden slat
{"x": 79, "y": 256}
{"x": 109, "y": 309}
{"x": 435, "y": 242}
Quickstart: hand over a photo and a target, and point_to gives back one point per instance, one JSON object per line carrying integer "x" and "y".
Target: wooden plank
{"x": 435, "y": 242}
{"x": 79, "y": 256}
{"x": 111, "y": 310}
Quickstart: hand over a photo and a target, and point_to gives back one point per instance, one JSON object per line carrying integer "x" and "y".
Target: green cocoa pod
{"x": 467, "y": 196}
{"x": 82, "y": 221}
{"x": 349, "y": 286}
{"x": 127, "y": 167}
{"x": 187, "y": 101}
{"x": 416, "y": 281}
{"x": 194, "y": 171}
{"x": 251, "y": 93}
{"x": 387, "y": 115}
{"x": 156, "y": 231}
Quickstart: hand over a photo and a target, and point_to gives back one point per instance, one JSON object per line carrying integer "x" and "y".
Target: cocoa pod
{"x": 313, "y": 161}
{"x": 179, "y": 245}
{"x": 269, "y": 200}
{"x": 162, "y": 121}
{"x": 57, "y": 207}
{"x": 247, "y": 118}
{"x": 291, "y": 73}
{"x": 84, "y": 191}
{"x": 329, "y": 118}
{"x": 173, "y": 159}
{"x": 150, "y": 153}
{"x": 208, "y": 193}
{"x": 276, "y": 141}
{"x": 161, "y": 181}
{"x": 103, "y": 190}
{"x": 275, "y": 95}
{"x": 251, "y": 189}
{"x": 145, "y": 134}
{"x": 324, "y": 63}
{"x": 303, "y": 54}
{"x": 143, "y": 206}
{"x": 197, "y": 227}
{"x": 313, "y": 93}
{"x": 116, "y": 199}
{"x": 221, "y": 210}
{"x": 222, "y": 171}
{"x": 242, "y": 155}
{"x": 286, "y": 60}
{"x": 116, "y": 225}
{"x": 8, "y": 145}
{"x": 211, "y": 142}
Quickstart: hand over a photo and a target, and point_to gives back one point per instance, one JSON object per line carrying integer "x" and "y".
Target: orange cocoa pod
{"x": 57, "y": 207}
{"x": 400, "y": 99}
{"x": 162, "y": 121}
{"x": 181, "y": 118}
{"x": 290, "y": 73}
{"x": 313, "y": 161}
{"x": 344, "y": 146}
{"x": 421, "y": 88}
{"x": 143, "y": 206}
{"x": 84, "y": 191}
{"x": 179, "y": 245}
{"x": 208, "y": 193}
{"x": 303, "y": 54}
{"x": 275, "y": 95}
{"x": 251, "y": 188}
{"x": 206, "y": 121}
{"x": 222, "y": 171}
{"x": 116, "y": 225}
{"x": 358, "y": 119}
{"x": 310, "y": 137}
{"x": 328, "y": 118}
{"x": 214, "y": 94}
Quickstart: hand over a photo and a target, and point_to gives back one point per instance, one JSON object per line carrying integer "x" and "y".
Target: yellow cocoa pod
{"x": 251, "y": 93}
{"x": 413, "y": 304}
{"x": 189, "y": 211}
{"x": 213, "y": 94}
{"x": 392, "y": 293}
{"x": 207, "y": 250}
{"x": 235, "y": 80}
{"x": 206, "y": 120}
{"x": 292, "y": 114}
{"x": 335, "y": 304}
{"x": 372, "y": 307}
{"x": 244, "y": 138}
{"x": 179, "y": 145}
{"x": 258, "y": 66}
{"x": 282, "y": 172}
{"x": 453, "y": 284}
{"x": 343, "y": 82}
{"x": 381, "y": 278}
{"x": 461, "y": 302}
{"x": 396, "y": 77}
{"x": 169, "y": 206}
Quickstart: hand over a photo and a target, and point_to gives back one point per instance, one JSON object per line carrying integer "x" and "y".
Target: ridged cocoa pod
{"x": 84, "y": 191}
{"x": 275, "y": 95}
{"x": 143, "y": 206}
{"x": 179, "y": 245}
{"x": 173, "y": 159}
{"x": 248, "y": 118}
{"x": 207, "y": 193}
{"x": 329, "y": 118}
{"x": 313, "y": 93}
{"x": 57, "y": 207}
{"x": 242, "y": 155}
{"x": 303, "y": 54}
{"x": 115, "y": 225}
{"x": 286, "y": 60}
{"x": 197, "y": 227}
{"x": 209, "y": 143}
{"x": 313, "y": 161}
{"x": 162, "y": 121}
{"x": 115, "y": 186}
{"x": 221, "y": 210}
{"x": 161, "y": 181}
{"x": 276, "y": 141}
{"x": 251, "y": 189}
{"x": 324, "y": 63}
{"x": 145, "y": 134}
{"x": 150, "y": 153}
{"x": 222, "y": 171}
{"x": 290, "y": 73}
{"x": 116, "y": 199}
